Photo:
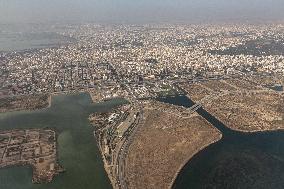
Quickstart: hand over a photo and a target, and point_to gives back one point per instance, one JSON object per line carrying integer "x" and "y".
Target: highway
{"x": 128, "y": 136}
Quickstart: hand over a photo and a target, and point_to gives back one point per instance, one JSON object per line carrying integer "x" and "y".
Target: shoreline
{"x": 194, "y": 148}
{"x": 97, "y": 139}
{"x": 194, "y": 154}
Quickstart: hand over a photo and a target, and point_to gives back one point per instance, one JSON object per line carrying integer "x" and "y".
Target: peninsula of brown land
{"x": 146, "y": 143}
{"x": 164, "y": 143}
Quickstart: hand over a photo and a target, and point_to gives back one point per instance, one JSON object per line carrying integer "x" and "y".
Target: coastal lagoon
{"x": 238, "y": 160}
{"x": 78, "y": 152}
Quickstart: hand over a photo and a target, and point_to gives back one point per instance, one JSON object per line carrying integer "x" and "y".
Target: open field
{"x": 273, "y": 81}
{"x": 249, "y": 112}
{"x": 196, "y": 91}
{"x": 241, "y": 104}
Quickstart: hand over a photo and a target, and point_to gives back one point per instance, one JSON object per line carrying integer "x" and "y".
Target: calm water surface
{"x": 19, "y": 41}
{"x": 239, "y": 160}
{"x": 78, "y": 151}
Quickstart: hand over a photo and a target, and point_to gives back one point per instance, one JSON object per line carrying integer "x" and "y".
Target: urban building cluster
{"x": 142, "y": 61}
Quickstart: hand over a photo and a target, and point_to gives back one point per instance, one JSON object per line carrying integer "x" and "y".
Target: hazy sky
{"x": 137, "y": 11}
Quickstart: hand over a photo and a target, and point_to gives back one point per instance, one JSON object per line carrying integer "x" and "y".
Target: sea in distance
{"x": 16, "y": 38}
